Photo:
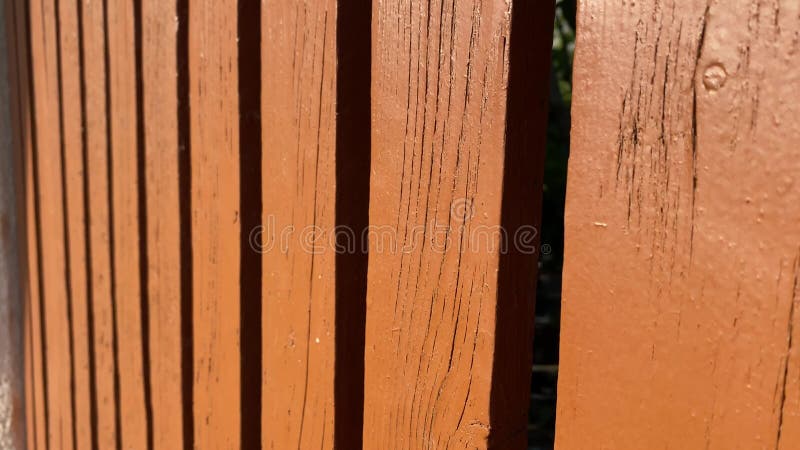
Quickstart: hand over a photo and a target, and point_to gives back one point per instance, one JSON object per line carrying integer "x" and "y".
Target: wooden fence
{"x": 313, "y": 223}
{"x": 203, "y": 179}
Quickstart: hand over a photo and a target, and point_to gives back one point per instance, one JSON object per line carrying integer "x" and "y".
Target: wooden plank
{"x": 74, "y": 184}
{"x": 34, "y": 380}
{"x": 124, "y": 185}
{"x": 299, "y": 107}
{"x": 458, "y": 117}
{"x": 48, "y": 160}
{"x": 215, "y": 221}
{"x": 98, "y": 198}
{"x": 681, "y": 266}
{"x": 30, "y": 399}
{"x": 36, "y": 410}
{"x": 18, "y": 77}
{"x": 18, "y": 418}
{"x": 160, "y": 98}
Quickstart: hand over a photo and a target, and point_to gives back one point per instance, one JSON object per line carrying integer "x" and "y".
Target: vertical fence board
{"x": 215, "y": 221}
{"x": 124, "y": 186}
{"x": 48, "y": 160}
{"x": 21, "y": 123}
{"x": 152, "y": 277}
{"x": 681, "y": 268}
{"x": 34, "y": 384}
{"x": 441, "y": 188}
{"x": 36, "y": 409}
{"x": 160, "y": 97}
{"x": 299, "y": 55}
{"x": 106, "y": 370}
{"x": 74, "y": 179}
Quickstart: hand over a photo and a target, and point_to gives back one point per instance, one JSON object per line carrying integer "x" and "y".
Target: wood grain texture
{"x": 74, "y": 184}
{"x": 22, "y": 129}
{"x": 443, "y": 139}
{"x": 125, "y": 216}
{"x": 215, "y": 221}
{"x": 679, "y": 317}
{"x": 34, "y": 379}
{"x": 48, "y": 160}
{"x": 164, "y": 264}
{"x": 299, "y": 76}
{"x": 37, "y": 408}
{"x": 99, "y": 259}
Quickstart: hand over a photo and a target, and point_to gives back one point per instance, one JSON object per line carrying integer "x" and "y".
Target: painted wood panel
{"x": 449, "y": 144}
{"x": 199, "y": 207}
{"x": 127, "y": 222}
{"x": 215, "y": 217}
{"x": 299, "y": 185}
{"x": 682, "y": 245}
{"x": 97, "y": 106}
{"x": 165, "y": 146}
{"x": 48, "y": 161}
{"x": 35, "y": 393}
{"x": 72, "y": 117}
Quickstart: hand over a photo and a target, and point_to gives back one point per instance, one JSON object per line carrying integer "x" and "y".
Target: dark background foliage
{"x": 542, "y": 417}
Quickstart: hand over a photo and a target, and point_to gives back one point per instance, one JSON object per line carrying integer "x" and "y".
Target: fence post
{"x": 680, "y": 308}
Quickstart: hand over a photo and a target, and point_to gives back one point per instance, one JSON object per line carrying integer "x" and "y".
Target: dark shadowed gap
{"x": 526, "y": 125}
{"x": 353, "y": 75}
{"x": 141, "y": 184}
{"x": 250, "y": 207}
{"x": 111, "y": 237}
{"x": 544, "y": 373}
{"x": 19, "y": 110}
{"x": 87, "y": 237}
{"x": 38, "y": 215}
{"x": 185, "y": 196}
{"x": 65, "y": 225}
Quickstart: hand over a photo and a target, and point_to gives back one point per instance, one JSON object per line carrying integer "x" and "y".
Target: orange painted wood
{"x": 48, "y": 161}
{"x": 30, "y": 399}
{"x": 454, "y": 157}
{"x": 162, "y": 147}
{"x": 681, "y": 291}
{"x": 215, "y": 222}
{"x": 36, "y": 410}
{"x": 21, "y": 124}
{"x": 98, "y": 148}
{"x": 299, "y": 89}
{"x": 125, "y": 216}
{"x": 164, "y": 264}
{"x": 75, "y": 209}
{"x": 17, "y": 15}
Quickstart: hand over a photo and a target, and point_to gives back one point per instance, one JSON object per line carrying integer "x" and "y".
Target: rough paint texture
{"x": 299, "y": 194}
{"x": 682, "y": 261}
